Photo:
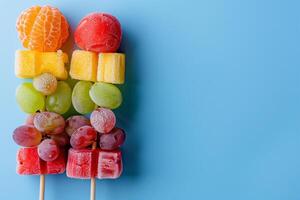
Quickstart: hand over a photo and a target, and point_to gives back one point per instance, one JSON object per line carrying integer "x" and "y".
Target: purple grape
{"x": 49, "y": 122}
{"x": 83, "y": 137}
{"x": 27, "y": 136}
{"x": 75, "y": 122}
{"x": 112, "y": 140}
{"x": 103, "y": 120}
{"x": 48, "y": 150}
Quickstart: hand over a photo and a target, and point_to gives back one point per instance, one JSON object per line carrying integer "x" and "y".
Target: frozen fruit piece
{"x": 113, "y": 140}
{"x": 82, "y": 163}
{"x": 42, "y": 28}
{"x": 75, "y": 122}
{"x": 60, "y": 101}
{"x": 29, "y": 99}
{"x": 26, "y": 64}
{"x": 81, "y": 99}
{"x": 107, "y": 67}
{"x": 27, "y": 136}
{"x": 83, "y": 137}
{"x": 29, "y": 64}
{"x": 111, "y": 68}
{"x": 48, "y": 150}
{"x": 98, "y": 32}
{"x": 29, "y": 163}
{"x": 103, "y": 120}
{"x": 61, "y": 139}
{"x": 106, "y": 95}
{"x": 84, "y": 65}
{"x": 88, "y": 163}
{"x": 49, "y": 122}
{"x": 45, "y": 83}
{"x": 109, "y": 164}
{"x": 54, "y": 63}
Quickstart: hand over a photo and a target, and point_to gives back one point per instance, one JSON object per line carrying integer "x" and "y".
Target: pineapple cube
{"x": 26, "y": 63}
{"x": 111, "y": 68}
{"x": 54, "y": 63}
{"x": 29, "y": 64}
{"x": 84, "y": 65}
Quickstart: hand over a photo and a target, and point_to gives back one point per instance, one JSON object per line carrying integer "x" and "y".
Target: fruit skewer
{"x": 42, "y": 30}
{"x": 97, "y": 66}
{"x": 46, "y": 134}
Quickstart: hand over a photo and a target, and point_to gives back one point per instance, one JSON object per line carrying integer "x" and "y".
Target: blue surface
{"x": 212, "y": 101}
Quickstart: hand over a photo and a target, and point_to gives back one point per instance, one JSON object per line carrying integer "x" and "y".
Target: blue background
{"x": 211, "y": 101}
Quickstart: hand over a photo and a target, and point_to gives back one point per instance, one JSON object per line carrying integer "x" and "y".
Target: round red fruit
{"x": 103, "y": 120}
{"x": 98, "y": 32}
{"x": 83, "y": 137}
{"x": 48, "y": 150}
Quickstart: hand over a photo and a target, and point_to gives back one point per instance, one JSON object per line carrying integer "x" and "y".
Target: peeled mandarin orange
{"x": 42, "y": 28}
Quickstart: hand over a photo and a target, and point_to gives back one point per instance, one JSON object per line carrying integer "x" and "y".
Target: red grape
{"x": 27, "y": 136}
{"x": 75, "y": 122}
{"x": 48, "y": 150}
{"x": 112, "y": 140}
{"x": 103, "y": 120}
{"x": 83, "y": 137}
{"x": 49, "y": 122}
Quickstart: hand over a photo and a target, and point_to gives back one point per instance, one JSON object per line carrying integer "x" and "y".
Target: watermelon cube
{"x": 81, "y": 163}
{"x": 29, "y": 163}
{"x": 109, "y": 164}
{"x": 88, "y": 163}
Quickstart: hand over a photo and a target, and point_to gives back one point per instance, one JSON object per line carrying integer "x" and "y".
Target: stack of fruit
{"x": 46, "y": 135}
{"x": 42, "y": 30}
{"x": 98, "y": 68}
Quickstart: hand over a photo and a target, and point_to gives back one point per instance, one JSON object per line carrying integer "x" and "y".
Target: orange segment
{"x": 24, "y": 23}
{"x": 42, "y": 28}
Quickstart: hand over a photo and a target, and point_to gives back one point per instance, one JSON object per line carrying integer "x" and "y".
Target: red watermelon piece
{"x": 87, "y": 163}
{"x": 29, "y": 163}
{"x": 81, "y": 163}
{"x": 109, "y": 164}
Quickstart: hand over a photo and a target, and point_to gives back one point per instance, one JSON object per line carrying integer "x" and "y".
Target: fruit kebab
{"x": 96, "y": 142}
{"x": 42, "y": 30}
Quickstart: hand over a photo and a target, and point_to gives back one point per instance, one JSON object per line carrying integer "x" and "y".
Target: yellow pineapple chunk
{"x": 54, "y": 63}
{"x": 111, "y": 68}
{"x": 84, "y": 65}
{"x": 26, "y": 64}
{"x": 29, "y": 64}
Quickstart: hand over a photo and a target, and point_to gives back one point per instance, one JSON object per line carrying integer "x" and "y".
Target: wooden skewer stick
{"x": 42, "y": 186}
{"x": 93, "y": 180}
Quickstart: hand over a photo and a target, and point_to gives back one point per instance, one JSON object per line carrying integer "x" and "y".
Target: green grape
{"x": 29, "y": 99}
{"x": 106, "y": 95}
{"x": 81, "y": 99}
{"x": 60, "y": 100}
